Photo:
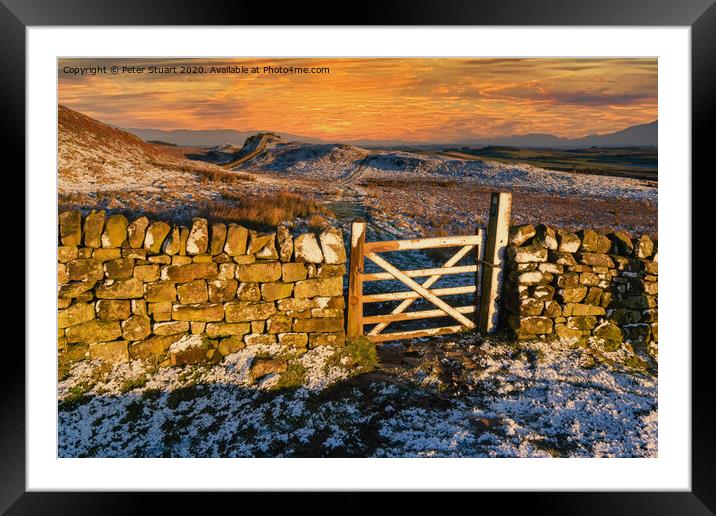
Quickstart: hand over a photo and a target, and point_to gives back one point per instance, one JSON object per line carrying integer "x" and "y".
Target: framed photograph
{"x": 418, "y": 252}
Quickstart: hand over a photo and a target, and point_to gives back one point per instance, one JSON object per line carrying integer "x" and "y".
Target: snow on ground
{"x": 531, "y": 400}
{"x": 327, "y": 161}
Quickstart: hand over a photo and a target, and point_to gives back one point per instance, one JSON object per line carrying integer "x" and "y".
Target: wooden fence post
{"x": 498, "y": 229}
{"x": 354, "y": 325}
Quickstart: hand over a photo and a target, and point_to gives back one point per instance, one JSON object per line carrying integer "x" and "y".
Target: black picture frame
{"x": 700, "y": 15}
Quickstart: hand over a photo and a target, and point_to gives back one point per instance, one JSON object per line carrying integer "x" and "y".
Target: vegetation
{"x": 359, "y": 355}
{"x": 293, "y": 377}
{"x": 133, "y": 383}
{"x": 268, "y": 209}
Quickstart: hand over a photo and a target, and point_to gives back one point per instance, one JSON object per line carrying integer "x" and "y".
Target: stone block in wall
{"x": 86, "y": 252}
{"x": 533, "y": 278}
{"x": 274, "y": 291}
{"x": 565, "y": 332}
{"x": 75, "y": 314}
{"x": 236, "y": 240}
{"x": 197, "y": 328}
{"x": 593, "y": 242}
{"x": 278, "y": 323}
{"x": 306, "y": 249}
{"x": 527, "y": 254}
{"x": 644, "y": 247}
{"x": 589, "y": 279}
{"x": 254, "y": 339}
{"x": 222, "y": 290}
{"x": 621, "y": 243}
{"x": 561, "y": 258}
{"x": 152, "y": 347}
{"x": 121, "y": 268}
{"x": 115, "y": 231}
{"x": 258, "y": 326}
{"x": 66, "y": 253}
{"x": 75, "y": 289}
{"x": 106, "y": 254}
{"x": 532, "y": 325}
{"x": 571, "y": 309}
{"x": 202, "y": 312}
{"x": 639, "y": 302}
{"x": 113, "y": 309}
{"x": 259, "y": 272}
{"x": 331, "y": 271}
{"x": 248, "y": 292}
{"x": 595, "y": 259}
{"x": 552, "y": 309}
{"x": 202, "y": 258}
{"x": 218, "y": 239}
{"x": 188, "y": 350}
{"x": 63, "y": 303}
{"x": 189, "y": 272}
{"x": 219, "y": 329}
{"x": 230, "y": 345}
{"x": 193, "y": 292}
{"x": 285, "y": 243}
{"x": 243, "y": 312}
{"x": 293, "y": 340}
{"x": 137, "y": 327}
{"x": 94, "y": 331}
{"x": 159, "y": 292}
{"x": 524, "y": 307}
{"x": 552, "y": 268}
{"x": 94, "y": 225}
{"x": 518, "y": 235}
{"x": 594, "y": 296}
{"x": 296, "y": 304}
{"x": 582, "y": 322}
{"x": 170, "y": 327}
{"x": 319, "y": 287}
{"x": 326, "y": 325}
{"x": 120, "y": 289}
{"x": 326, "y": 339}
{"x": 146, "y": 273}
{"x": 172, "y": 243}
{"x": 62, "y": 274}
{"x": 572, "y": 295}
{"x": 198, "y": 240}
{"x": 330, "y": 302}
{"x": 155, "y": 234}
{"x": 326, "y": 312}
{"x": 291, "y": 272}
{"x": 263, "y": 246}
{"x": 70, "y": 228}
{"x": 567, "y": 242}
{"x": 334, "y": 251}
{"x": 136, "y": 232}
{"x": 542, "y": 292}
{"x": 608, "y": 331}
{"x": 114, "y": 352}
{"x": 85, "y": 269}
{"x": 546, "y": 237}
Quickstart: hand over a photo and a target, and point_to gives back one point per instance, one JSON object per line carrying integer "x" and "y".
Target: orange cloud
{"x": 422, "y": 100}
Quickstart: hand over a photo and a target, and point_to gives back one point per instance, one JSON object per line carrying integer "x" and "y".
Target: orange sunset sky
{"x": 416, "y": 100}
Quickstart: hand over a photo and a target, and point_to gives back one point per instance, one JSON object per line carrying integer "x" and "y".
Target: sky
{"x": 419, "y": 100}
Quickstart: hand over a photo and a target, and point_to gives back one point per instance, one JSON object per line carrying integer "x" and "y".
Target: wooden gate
{"x": 483, "y": 314}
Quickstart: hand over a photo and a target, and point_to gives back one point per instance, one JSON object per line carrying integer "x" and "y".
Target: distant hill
{"x": 644, "y": 135}
{"x": 207, "y": 137}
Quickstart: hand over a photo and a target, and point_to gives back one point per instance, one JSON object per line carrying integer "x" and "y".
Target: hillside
{"x": 93, "y": 156}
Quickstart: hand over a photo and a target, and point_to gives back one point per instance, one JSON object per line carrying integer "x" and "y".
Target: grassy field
{"x": 634, "y": 162}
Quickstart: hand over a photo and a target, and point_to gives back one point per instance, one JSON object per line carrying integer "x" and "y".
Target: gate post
{"x": 498, "y": 229}
{"x": 354, "y": 325}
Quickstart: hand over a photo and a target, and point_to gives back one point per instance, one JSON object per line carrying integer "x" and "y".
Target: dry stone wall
{"x": 582, "y": 284}
{"x": 141, "y": 289}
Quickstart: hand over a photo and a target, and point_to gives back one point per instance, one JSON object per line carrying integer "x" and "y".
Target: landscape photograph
{"x": 357, "y": 257}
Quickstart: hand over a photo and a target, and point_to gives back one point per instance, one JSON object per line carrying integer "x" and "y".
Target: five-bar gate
{"x": 467, "y": 317}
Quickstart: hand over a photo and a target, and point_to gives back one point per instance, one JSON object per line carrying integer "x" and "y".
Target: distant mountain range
{"x": 207, "y": 137}
{"x": 634, "y": 136}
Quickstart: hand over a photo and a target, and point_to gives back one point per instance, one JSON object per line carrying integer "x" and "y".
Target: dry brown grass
{"x": 268, "y": 209}
{"x": 412, "y": 183}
